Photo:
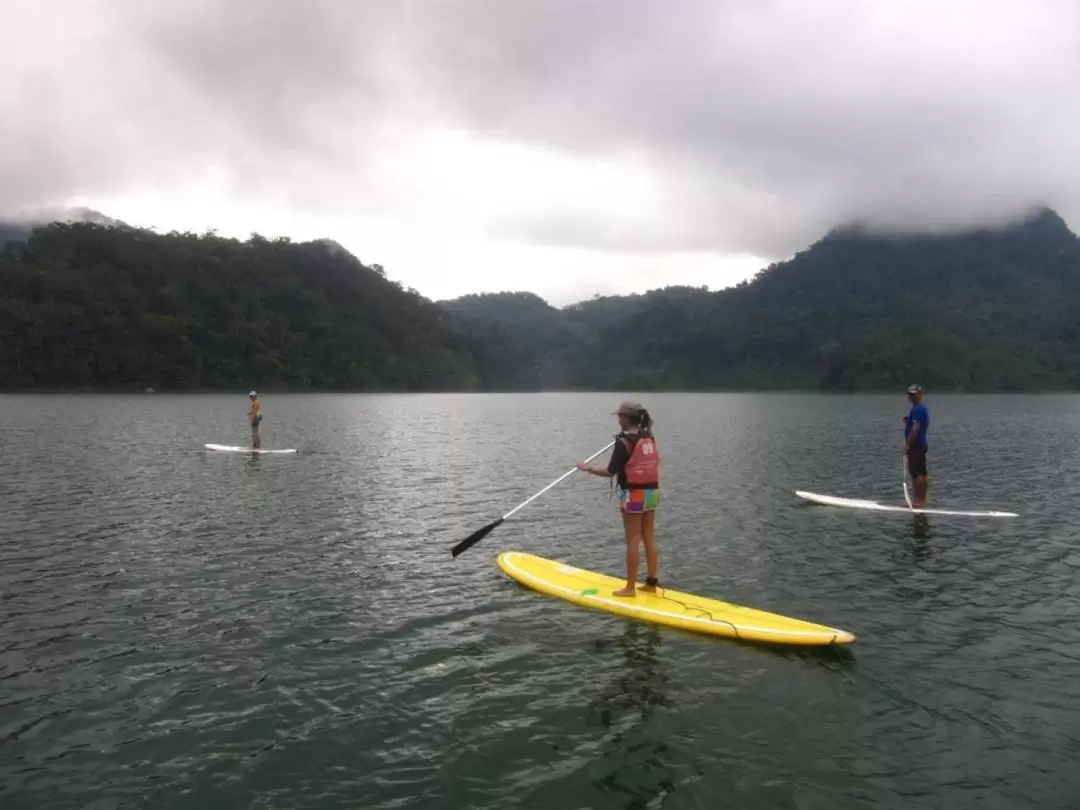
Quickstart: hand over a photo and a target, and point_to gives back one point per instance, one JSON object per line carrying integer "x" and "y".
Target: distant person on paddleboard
{"x": 635, "y": 464}
{"x": 916, "y": 433}
{"x": 255, "y": 417}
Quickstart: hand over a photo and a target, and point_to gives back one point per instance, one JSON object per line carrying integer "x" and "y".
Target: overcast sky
{"x": 565, "y": 147}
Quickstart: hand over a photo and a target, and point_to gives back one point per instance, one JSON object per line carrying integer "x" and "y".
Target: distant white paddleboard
{"x": 229, "y": 448}
{"x": 858, "y": 503}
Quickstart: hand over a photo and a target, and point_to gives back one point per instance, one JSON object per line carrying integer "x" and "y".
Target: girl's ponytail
{"x": 645, "y": 421}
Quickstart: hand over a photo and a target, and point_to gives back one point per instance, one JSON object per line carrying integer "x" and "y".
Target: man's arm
{"x": 915, "y": 427}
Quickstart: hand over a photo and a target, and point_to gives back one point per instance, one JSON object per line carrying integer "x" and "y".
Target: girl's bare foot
{"x": 625, "y": 592}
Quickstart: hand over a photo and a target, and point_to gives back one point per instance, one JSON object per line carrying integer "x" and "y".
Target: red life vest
{"x": 643, "y": 466}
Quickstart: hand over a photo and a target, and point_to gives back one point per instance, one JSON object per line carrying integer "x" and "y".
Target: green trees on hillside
{"x": 89, "y": 306}
{"x": 86, "y": 306}
{"x": 983, "y": 311}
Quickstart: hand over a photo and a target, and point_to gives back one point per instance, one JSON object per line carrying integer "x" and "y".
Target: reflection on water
{"x": 915, "y": 543}
{"x": 635, "y": 757}
{"x": 920, "y": 527}
{"x": 920, "y": 538}
{"x": 183, "y": 628}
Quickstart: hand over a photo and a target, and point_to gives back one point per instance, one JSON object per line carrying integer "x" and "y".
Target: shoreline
{"x": 457, "y": 391}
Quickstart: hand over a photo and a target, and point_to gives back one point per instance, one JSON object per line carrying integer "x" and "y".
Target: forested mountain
{"x": 982, "y": 311}
{"x": 86, "y": 306}
{"x": 19, "y": 228}
{"x": 575, "y": 347}
{"x": 10, "y": 232}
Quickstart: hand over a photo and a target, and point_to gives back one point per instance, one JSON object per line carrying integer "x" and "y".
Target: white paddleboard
{"x": 859, "y": 503}
{"x": 229, "y": 448}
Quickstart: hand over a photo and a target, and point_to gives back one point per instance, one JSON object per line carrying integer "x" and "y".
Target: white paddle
{"x": 903, "y": 476}
{"x": 480, "y": 534}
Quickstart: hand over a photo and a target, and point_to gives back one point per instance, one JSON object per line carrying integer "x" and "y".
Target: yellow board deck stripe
{"x": 673, "y": 608}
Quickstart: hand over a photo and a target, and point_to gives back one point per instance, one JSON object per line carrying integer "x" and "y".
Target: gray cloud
{"x": 779, "y": 119}
{"x": 766, "y": 123}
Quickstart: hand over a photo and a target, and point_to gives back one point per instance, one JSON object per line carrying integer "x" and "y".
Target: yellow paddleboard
{"x": 683, "y": 610}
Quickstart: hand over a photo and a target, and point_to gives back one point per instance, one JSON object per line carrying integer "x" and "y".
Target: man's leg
{"x": 919, "y": 478}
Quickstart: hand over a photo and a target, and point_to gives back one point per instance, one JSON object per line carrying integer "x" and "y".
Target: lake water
{"x": 181, "y": 628}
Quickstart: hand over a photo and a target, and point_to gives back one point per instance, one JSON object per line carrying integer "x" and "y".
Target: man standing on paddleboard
{"x": 916, "y": 433}
{"x": 635, "y": 464}
{"x": 255, "y": 417}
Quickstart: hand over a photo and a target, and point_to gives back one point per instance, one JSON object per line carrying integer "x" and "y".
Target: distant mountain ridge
{"x": 90, "y": 306}
{"x": 982, "y": 310}
{"x": 17, "y": 225}
{"x": 31, "y": 217}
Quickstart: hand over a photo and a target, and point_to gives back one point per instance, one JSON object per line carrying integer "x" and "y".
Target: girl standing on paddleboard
{"x": 255, "y": 417}
{"x": 635, "y": 464}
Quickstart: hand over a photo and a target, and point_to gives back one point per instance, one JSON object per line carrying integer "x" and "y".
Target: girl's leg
{"x": 632, "y": 530}
{"x": 652, "y": 563}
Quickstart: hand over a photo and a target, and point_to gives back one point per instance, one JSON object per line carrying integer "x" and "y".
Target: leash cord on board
{"x": 662, "y": 593}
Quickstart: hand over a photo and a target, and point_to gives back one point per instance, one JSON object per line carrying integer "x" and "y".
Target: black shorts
{"x": 916, "y": 461}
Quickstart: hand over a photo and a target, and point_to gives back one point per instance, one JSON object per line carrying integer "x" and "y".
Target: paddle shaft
{"x": 558, "y": 480}
{"x": 480, "y": 534}
{"x": 903, "y": 479}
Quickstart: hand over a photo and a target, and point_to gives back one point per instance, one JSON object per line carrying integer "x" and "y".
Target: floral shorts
{"x": 638, "y": 500}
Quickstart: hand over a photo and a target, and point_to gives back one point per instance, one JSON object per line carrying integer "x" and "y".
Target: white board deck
{"x": 860, "y": 503}
{"x": 231, "y": 448}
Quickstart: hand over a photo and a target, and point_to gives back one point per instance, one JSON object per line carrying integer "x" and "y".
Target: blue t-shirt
{"x": 920, "y": 415}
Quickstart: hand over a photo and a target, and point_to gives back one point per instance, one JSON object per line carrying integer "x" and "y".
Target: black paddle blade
{"x": 474, "y": 538}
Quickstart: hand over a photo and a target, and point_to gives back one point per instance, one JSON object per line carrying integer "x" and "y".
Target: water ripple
{"x": 183, "y": 628}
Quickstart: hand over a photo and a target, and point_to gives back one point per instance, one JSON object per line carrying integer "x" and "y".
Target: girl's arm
{"x": 619, "y": 457}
